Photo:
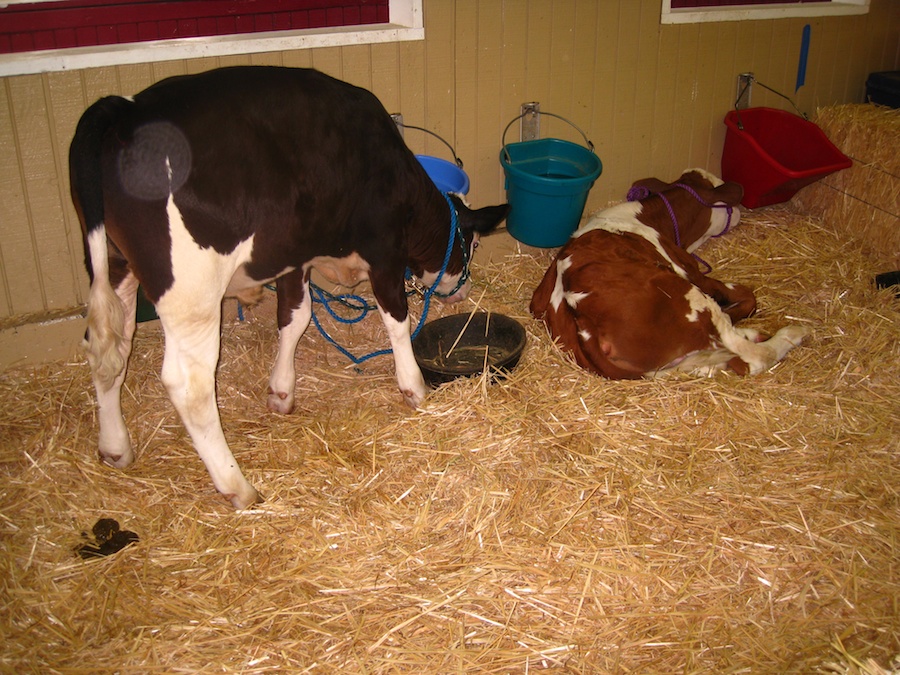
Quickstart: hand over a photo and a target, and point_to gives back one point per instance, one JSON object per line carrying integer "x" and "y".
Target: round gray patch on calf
{"x": 156, "y": 162}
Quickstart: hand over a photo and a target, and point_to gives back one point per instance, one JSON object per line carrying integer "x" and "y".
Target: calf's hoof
{"x": 118, "y": 459}
{"x": 794, "y": 334}
{"x": 413, "y": 399}
{"x": 282, "y": 402}
{"x": 246, "y": 498}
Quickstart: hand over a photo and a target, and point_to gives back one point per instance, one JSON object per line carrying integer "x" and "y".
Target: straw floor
{"x": 553, "y": 522}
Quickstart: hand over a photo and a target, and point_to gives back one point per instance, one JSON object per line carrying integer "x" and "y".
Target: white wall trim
{"x": 779, "y": 11}
{"x": 406, "y": 24}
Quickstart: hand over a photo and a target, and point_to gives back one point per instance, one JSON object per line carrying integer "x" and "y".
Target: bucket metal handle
{"x": 751, "y": 80}
{"x": 459, "y": 162}
{"x": 570, "y": 122}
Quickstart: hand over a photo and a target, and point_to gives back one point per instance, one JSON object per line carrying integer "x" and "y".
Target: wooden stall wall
{"x": 650, "y": 97}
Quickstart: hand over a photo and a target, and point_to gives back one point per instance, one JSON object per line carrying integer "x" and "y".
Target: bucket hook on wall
{"x": 403, "y": 125}
{"x": 516, "y": 119}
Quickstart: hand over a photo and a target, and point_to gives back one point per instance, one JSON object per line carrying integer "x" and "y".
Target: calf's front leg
{"x": 390, "y": 296}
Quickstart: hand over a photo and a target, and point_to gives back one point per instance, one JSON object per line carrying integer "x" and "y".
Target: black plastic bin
{"x": 884, "y": 88}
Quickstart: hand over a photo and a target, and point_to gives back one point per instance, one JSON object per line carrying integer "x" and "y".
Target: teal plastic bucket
{"x": 547, "y": 185}
{"x": 447, "y": 176}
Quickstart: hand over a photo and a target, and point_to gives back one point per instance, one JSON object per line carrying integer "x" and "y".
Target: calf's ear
{"x": 730, "y": 192}
{"x": 482, "y": 220}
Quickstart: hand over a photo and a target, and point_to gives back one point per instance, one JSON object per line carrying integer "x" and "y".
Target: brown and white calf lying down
{"x": 627, "y": 299}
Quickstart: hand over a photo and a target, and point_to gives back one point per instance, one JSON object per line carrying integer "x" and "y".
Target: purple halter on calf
{"x": 639, "y": 192}
{"x": 210, "y": 185}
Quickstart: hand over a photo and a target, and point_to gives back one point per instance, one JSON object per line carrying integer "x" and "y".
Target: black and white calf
{"x": 210, "y": 185}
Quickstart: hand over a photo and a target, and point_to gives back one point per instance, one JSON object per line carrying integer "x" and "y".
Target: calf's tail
{"x": 104, "y": 339}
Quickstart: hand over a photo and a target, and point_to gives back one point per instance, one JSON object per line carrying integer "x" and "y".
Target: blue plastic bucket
{"x": 547, "y": 185}
{"x": 447, "y": 176}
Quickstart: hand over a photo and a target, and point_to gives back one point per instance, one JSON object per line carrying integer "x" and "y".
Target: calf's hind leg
{"x": 189, "y": 375}
{"x": 294, "y": 313}
{"x": 116, "y": 319}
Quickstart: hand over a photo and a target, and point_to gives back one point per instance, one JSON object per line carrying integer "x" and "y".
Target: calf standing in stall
{"x": 627, "y": 299}
{"x": 209, "y": 185}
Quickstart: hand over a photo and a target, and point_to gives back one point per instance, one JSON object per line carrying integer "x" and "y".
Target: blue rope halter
{"x": 638, "y": 192}
{"x": 359, "y": 305}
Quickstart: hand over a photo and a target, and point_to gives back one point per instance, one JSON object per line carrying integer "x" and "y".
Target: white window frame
{"x": 406, "y": 23}
{"x": 747, "y": 12}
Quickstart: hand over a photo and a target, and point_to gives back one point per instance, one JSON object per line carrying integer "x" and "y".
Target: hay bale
{"x": 864, "y": 200}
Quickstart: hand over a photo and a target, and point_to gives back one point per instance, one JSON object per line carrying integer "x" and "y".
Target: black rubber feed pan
{"x": 461, "y": 345}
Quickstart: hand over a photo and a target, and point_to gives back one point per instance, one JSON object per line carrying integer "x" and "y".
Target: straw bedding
{"x": 555, "y": 521}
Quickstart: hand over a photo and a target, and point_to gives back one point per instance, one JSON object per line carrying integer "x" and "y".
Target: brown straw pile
{"x": 864, "y": 200}
{"x": 552, "y": 522}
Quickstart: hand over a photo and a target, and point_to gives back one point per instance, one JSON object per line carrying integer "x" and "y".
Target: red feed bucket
{"x": 775, "y": 154}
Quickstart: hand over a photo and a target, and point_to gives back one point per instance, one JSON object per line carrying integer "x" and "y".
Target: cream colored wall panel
{"x": 602, "y": 120}
{"x": 721, "y": 93}
{"x": 513, "y": 93}
{"x": 538, "y": 54}
{"x": 328, "y": 60}
{"x": 46, "y": 185}
{"x": 234, "y": 60}
{"x": 468, "y": 91}
{"x": 440, "y": 90}
{"x": 662, "y": 126}
{"x": 624, "y": 129}
{"x": 648, "y": 81}
{"x": 514, "y": 89}
{"x": 704, "y": 81}
{"x": 166, "y": 69}
{"x": 486, "y": 173}
{"x": 855, "y": 72}
{"x": 562, "y": 70}
{"x": 686, "y": 93}
{"x": 26, "y": 231}
{"x": 266, "y": 59}
{"x": 783, "y": 50}
{"x": 356, "y": 64}
{"x": 584, "y": 63}
{"x": 881, "y": 29}
{"x": 584, "y": 74}
{"x": 64, "y": 92}
{"x": 386, "y": 75}
{"x": 193, "y": 66}
{"x": 133, "y": 78}
{"x": 821, "y": 68}
{"x": 297, "y": 59}
{"x": 13, "y": 205}
{"x": 99, "y": 82}
{"x": 758, "y": 61}
{"x": 413, "y": 83}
